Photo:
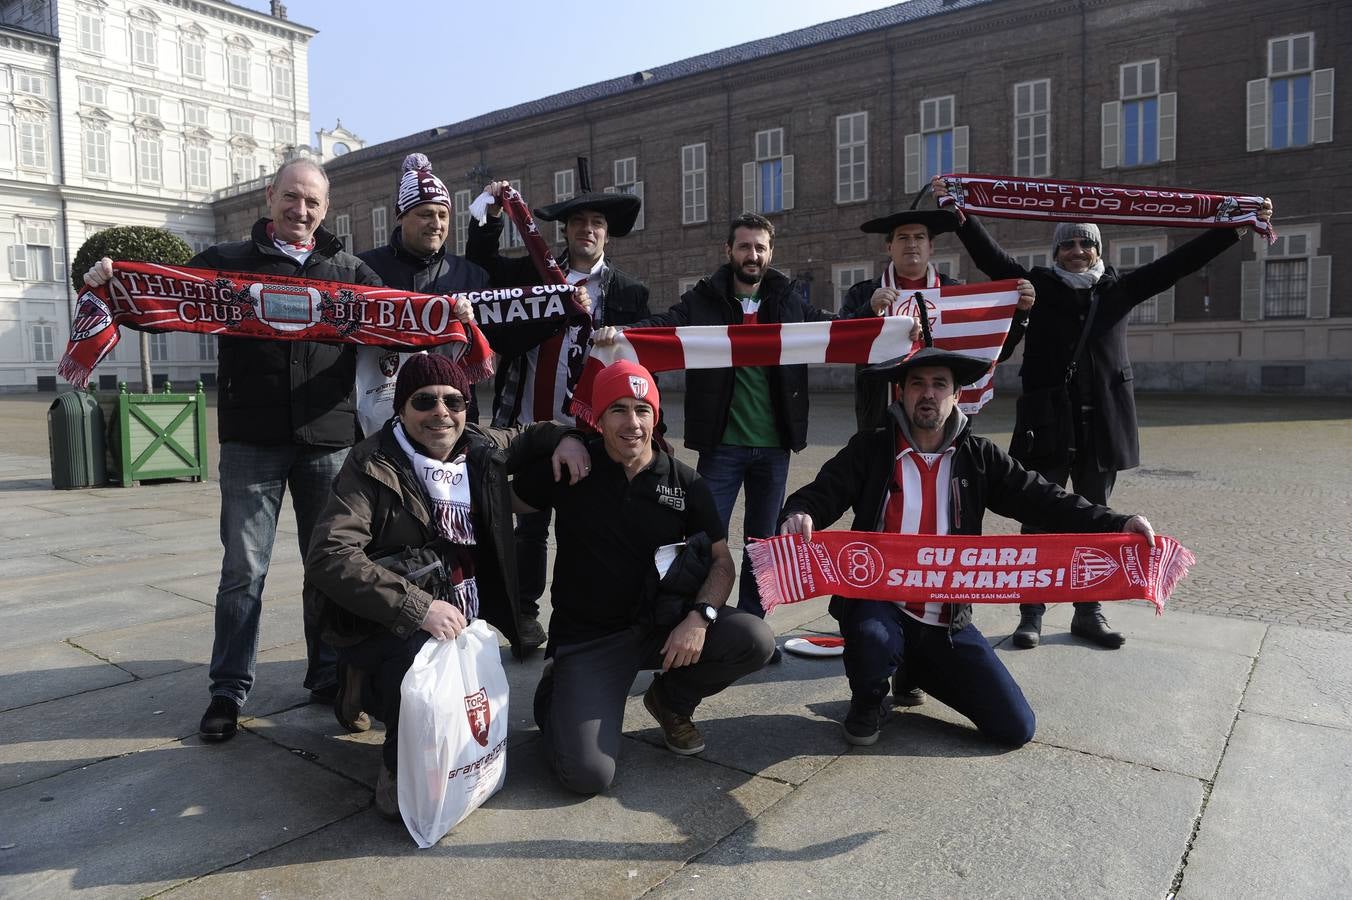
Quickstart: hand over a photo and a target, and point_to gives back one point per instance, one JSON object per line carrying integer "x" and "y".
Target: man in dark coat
{"x": 286, "y": 420}
{"x": 589, "y": 221}
{"x": 926, "y": 473}
{"x": 427, "y": 488}
{"x": 1100, "y": 439}
{"x": 744, "y": 421}
{"x": 414, "y": 259}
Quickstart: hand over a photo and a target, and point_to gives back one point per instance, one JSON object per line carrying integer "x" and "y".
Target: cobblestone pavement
{"x": 1258, "y": 487}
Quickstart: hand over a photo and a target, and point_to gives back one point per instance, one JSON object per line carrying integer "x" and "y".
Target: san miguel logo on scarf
{"x": 152, "y": 297}
{"x": 479, "y": 714}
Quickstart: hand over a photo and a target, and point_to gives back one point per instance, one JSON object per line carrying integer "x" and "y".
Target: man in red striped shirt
{"x": 924, "y": 472}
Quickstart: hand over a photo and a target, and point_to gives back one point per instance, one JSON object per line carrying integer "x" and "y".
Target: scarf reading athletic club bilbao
{"x": 971, "y": 319}
{"x": 999, "y": 568}
{"x": 539, "y": 384}
{"x": 153, "y": 297}
{"x": 1121, "y": 204}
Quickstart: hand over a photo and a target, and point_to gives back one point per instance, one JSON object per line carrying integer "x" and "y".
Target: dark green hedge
{"x": 131, "y": 243}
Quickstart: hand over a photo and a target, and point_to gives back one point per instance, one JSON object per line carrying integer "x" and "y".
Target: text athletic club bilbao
{"x": 924, "y": 576}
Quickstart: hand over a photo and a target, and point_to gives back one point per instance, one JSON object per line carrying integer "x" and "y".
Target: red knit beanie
{"x": 423, "y": 369}
{"x": 624, "y": 379}
{"x": 417, "y": 185}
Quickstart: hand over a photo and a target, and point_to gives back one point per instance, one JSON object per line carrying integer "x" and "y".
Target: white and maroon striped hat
{"x": 418, "y": 185}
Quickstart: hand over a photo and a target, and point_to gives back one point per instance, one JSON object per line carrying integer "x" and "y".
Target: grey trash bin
{"x": 76, "y": 439}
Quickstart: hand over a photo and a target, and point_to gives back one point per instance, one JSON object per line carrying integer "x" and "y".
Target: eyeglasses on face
{"x": 424, "y": 402}
{"x": 1082, "y": 243}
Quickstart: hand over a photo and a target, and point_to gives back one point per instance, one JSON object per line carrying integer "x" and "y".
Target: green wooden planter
{"x": 158, "y": 436}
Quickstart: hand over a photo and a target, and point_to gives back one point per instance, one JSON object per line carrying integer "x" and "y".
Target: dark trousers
{"x": 960, "y": 671}
{"x": 532, "y": 558}
{"x": 1081, "y": 471}
{"x": 579, "y": 704}
{"x": 385, "y": 658}
{"x": 762, "y": 472}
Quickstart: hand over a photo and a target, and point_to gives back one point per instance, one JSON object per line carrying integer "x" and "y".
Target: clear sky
{"x": 390, "y": 68}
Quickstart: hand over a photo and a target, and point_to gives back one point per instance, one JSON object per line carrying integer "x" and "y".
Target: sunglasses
{"x": 1082, "y": 243}
{"x": 428, "y": 402}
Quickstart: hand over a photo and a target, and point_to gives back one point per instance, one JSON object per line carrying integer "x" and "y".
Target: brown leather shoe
{"x": 678, "y": 731}
{"x": 387, "y": 795}
{"x": 347, "y": 701}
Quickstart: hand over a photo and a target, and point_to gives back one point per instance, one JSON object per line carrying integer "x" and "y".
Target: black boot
{"x": 905, "y": 694}
{"x": 1029, "y": 632}
{"x": 1089, "y": 623}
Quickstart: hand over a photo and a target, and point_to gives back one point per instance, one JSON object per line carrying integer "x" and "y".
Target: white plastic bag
{"x": 452, "y": 732}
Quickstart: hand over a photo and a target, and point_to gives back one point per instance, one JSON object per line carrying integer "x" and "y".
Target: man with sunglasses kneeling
{"x": 416, "y": 540}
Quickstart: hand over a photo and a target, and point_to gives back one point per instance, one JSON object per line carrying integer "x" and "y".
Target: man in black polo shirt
{"x": 609, "y": 621}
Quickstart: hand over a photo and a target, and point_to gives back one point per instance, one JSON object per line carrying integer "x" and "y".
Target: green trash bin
{"x": 76, "y": 439}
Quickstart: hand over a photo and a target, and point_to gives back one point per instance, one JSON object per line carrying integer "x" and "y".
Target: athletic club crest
{"x": 639, "y": 386}
{"x": 286, "y": 307}
{"x": 479, "y": 715}
{"x": 389, "y": 364}
{"x": 908, "y": 306}
{"x": 91, "y": 317}
{"x": 1090, "y": 566}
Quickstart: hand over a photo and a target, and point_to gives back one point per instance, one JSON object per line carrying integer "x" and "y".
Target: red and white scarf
{"x": 918, "y": 502}
{"x": 666, "y": 349}
{"x": 153, "y": 297}
{"x": 971, "y": 319}
{"x": 1005, "y": 568}
{"x": 1006, "y": 197}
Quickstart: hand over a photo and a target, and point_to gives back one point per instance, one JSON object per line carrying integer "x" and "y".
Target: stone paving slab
{"x": 141, "y": 823}
{"x": 167, "y": 645}
{"x": 1277, "y": 823}
{"x": 47, "y": 671}
{"x": 533, "y": 839}
{"x": 932, "y": 811}
{"x": 1304, "y": 675}
{"x": 44, "y": 739}
{"x": 117, "y": 519}
{"x": 75, "y": 609}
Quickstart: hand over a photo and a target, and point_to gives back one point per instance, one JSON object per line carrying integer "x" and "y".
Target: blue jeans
{"x": 962, "y": 672}
{"x": 764, "y": 472}
{"x": 254, "y": 479}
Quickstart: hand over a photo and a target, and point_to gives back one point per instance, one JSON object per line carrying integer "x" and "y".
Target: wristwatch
{"x": 707, "y": 612}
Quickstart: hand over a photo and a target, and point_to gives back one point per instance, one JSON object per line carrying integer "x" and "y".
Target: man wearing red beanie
{"x": 613, "y": 613}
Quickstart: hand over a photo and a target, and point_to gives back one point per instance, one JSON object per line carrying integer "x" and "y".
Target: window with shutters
{"x": 206, "y": 347}
{"x": 237, "y": 58}
{"x": 44, "y": 343}
{"x": 33, "y": 142}
{"x": 241, "y": 165}
{"x": 939, "y": 147}
{"x": 197, "y": 159}
{"x": 241, "y": 124}
{"x": 947, "y": 266}
{"x": 1032, "y": 128}
{"x": 1139, "y": 128}
{"x": 159, "y": 346}
{"x": 1133, "y": 255}
{"x": 380, "y": 226}
{"x": 767, "y": 182}
{"x": 148, "y": 158}
{"x": 92, "y": 93}
{"x": 852, "y": 157}
{"x": 564, "y": 188}
{"x": 31, "y": 83}
{"x": 95, "y": 145}
{"x": 342, "y": 227}
{"x": 1287, "y": 280}
{"x": 281, "y": 79}
{"x": 627, "y": 182}
{"x": 89, "y": 27}
{"x": 35, "y": 256}
{"x": 194, "y": 58}
{"x": 1030, "y": 258}
{"x": 511, "y": 235}
{"x": 845, "y": 276}
{"x": 1293, "y": 105}
{"x": 694, "y": 184}
{"x": 461, "y": 221}
{"x": 148, "y": 105}
{"x": 195, "y": 115}
{"x": 143, "y": 49}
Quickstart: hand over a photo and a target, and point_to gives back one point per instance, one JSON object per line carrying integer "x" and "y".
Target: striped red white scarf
{"x": 969, "y": 318}
{"x": 153, "y": 297}
{"x": 1001, "y": 568}
{"x": 1006, "y": 197}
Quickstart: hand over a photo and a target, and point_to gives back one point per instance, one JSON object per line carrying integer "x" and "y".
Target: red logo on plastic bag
{"x": 479, "y": 715}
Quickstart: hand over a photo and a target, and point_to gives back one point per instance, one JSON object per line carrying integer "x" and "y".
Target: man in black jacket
{"x": 415, "y": 259}
{"x": 744, "y": 421}
{"x": 589, "y": 221}
{"x": 286, "y": 419}
{"x": 1088, "y": 440}
{"x": 926, "y": 473}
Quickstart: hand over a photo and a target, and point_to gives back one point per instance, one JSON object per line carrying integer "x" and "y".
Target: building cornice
{"x": 28, "y": 41}
{"x": 245, "y": 18}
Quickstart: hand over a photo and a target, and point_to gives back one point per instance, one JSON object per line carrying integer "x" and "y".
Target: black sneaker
{"x": 1029, "y": 633}
{"x": 863, "y": 723}
{"x": 532, "y": 633}
{"x": 221, "y": 720}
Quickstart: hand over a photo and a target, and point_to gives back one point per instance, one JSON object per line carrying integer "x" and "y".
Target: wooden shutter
{"x": 1110, "y": 142}
{"x": 914, "y": 172}
{"x": 1321, "y": 107}
{"x": 960, "y": 139}
{"x": 1321, "y": 268}
{"x": 786, "y": 181}
{"x": 1168, "y": 126}
{"x": 1251, "y": 290}
{"x": 749, "y": 188}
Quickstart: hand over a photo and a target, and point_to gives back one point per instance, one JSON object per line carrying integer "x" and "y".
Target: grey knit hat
{"x": 1070, "y": 230}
